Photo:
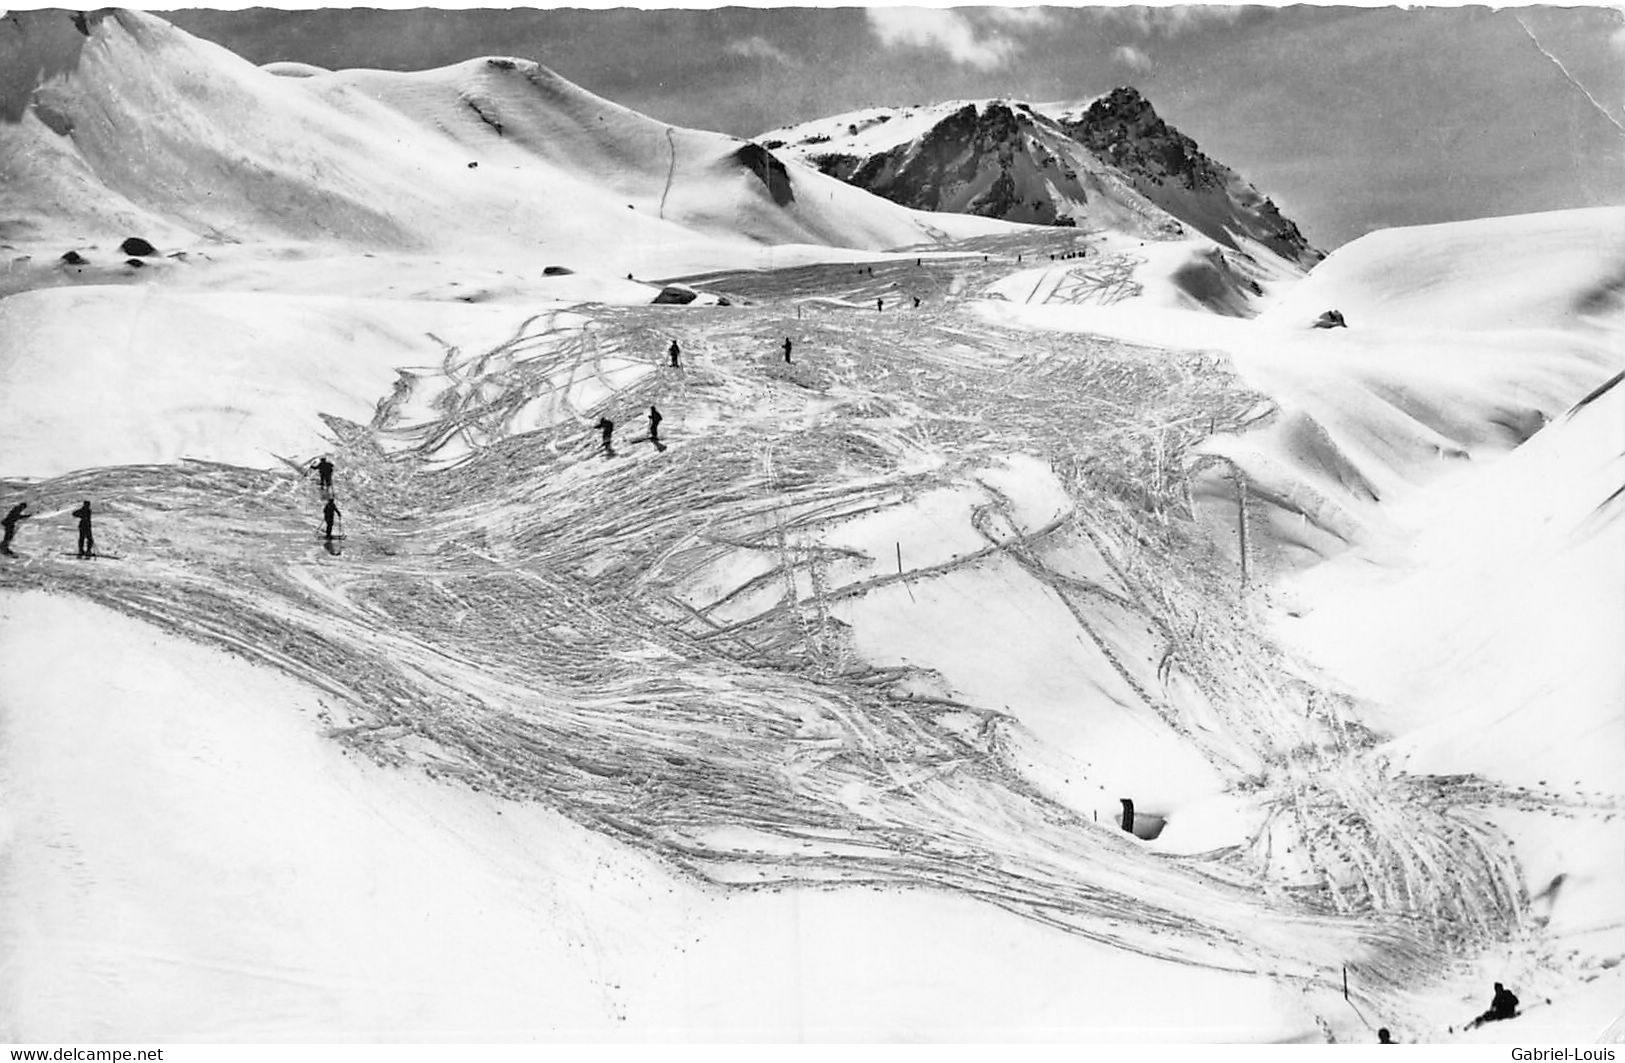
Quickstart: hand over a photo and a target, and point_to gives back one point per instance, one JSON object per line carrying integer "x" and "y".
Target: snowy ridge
{"x": 1107, "y": 163}
{"x": 369, "y": 159}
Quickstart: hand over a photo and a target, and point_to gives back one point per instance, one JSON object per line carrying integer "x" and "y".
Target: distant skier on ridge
{"x": 330, "y": 511}
{"x": 87, "y": 540}
{"x": 674, "y": 351}
{"x": 787, "y": 350}
{"x": 9, "y": 522}
{"x": 606, "y": 428}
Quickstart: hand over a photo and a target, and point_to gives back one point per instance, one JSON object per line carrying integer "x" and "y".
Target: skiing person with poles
{"x": 330, "y": 511}
{"x": 787, "y": 350}
{"x": 606, "y": 427}
{"x": 654, "y": 427}
{"x": 87, "y": 541}
{"x": 324, "y": 473}
{"x": 9, "y": 522}
{"x": 1504, "y": 1005}
{"x": 674, "y": 351}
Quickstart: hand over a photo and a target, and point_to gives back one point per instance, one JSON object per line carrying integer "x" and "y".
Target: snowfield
{"x": 815, "y": 724}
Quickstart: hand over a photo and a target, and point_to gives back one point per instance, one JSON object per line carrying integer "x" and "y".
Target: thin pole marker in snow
{"x": 906, "y": 587}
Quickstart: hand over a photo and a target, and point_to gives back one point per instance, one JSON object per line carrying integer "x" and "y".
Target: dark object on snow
{"x": 473, "y": 166}
{"x": 1382, "y": 1036}
{"x": 9, "y": 523}
{"x": 564, "y": 271}
{"x": 674, "y": 352}
{"x": 769, "y": 170}
{"x": 1504, "y": 1005}
{"x": 74, "y": 258}
{"x": 1331, "y": 319}
{"x": 916, "y": 302}
{"x": 136, "y": 246}
{"x": 654, "y": 425}
{"x": 670, "y": 295}
{"x": 1143, "y": 825}
{"x": 80, "y": 23}
{"x": 606, "y": 428}
{"x": 329, "y": 511}
{"x": 87, "y": 540}
{"x": 134, "y": 262}
{"x": 787, "y": 350}
{"x": 324, "y": 473}
{"x": 880, "y": 304}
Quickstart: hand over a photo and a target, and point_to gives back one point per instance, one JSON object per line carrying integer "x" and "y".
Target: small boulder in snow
{"x": 674, "y": 295}
{"x": 134, "y": 245}
{"x": 1331, "y": 319}
{"x": 74, "y": 258}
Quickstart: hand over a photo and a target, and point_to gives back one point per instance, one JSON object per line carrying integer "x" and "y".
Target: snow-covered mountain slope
{"x": 917, "y": 608}
{"x": 1558, "y": 270}
{"x": 1110, "y": 163}
{"x": 815, "y": 720}
{"x": 142, "y": 129}
{"x": 343, "y": 900}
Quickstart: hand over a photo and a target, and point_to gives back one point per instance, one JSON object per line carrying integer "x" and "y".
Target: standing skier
{"x": 324, "y": 474}
{"x": 87, "y": 540}
{"x": 606, "y": 428}
{"x": 9, "y": 522}
{"x": 654, "y": 427}
{"x": 674, "y": 351}
{"x": 330, "y": 511}
{"x": 787, "y": 350}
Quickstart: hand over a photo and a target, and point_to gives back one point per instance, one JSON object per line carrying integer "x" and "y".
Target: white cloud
{"x": 1172, "y": 21}
{"x": 1026, "y": 17}
{"x": 1132, "y": 58}
{"x": 759, "y": 48}
{"x": 949, "y": 31}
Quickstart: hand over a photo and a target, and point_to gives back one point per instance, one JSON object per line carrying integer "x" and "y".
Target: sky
{"x": 1352, "y": 119}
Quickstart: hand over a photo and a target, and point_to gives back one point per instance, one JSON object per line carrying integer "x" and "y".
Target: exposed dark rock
{"x": 135, "y": 262}
{"x": 74, "y": 258}
{"x": 134, "y": 245}
{"x": 561, "y": 271}
{"x": 769, "y": 170}
{"x": 675, "y": 296}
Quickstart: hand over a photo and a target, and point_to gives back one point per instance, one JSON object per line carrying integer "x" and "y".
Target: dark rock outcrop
{"x": 769, "y": 170}
{"x": 138, "y": 247}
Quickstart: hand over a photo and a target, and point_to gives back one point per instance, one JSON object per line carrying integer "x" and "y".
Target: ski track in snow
{"x": 514, "y": 612}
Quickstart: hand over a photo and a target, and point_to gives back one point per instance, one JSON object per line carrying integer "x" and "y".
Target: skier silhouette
{"x": 330, "y": 511}
{"x": 674, "y": 351}
{"x": 654, "y": 428}
{"x": 1382, "y": 1036}
{"x": 880, "y": 304}
{"x": 787, "y": 350}
{"x": 324, "y": 474}
{"x": 606, "y": 427}
{"x": 87, "y": 540}
{"x": 1504, "y": 1005}
{"x": 9, "y": 522}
